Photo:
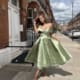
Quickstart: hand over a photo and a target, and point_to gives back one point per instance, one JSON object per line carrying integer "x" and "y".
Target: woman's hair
{"x": 47, "y": 19}
{"x": 41, "y": 13}
{"x": 38, "y": 22}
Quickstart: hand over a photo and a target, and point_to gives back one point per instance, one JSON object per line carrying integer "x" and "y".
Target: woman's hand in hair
{"x": 35, "y": 18}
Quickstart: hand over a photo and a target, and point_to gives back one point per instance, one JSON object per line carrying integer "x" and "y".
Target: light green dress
{"x": 47, "y": 52}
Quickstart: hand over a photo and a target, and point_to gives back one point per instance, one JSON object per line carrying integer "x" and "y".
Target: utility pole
{"x": 72, "y": 14}
{"x": 72, "y": 11}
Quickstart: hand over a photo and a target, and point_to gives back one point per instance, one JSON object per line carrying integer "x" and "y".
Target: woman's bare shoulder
{"x": 50, "y": 24}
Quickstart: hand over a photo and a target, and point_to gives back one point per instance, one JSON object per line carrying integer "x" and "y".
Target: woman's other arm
{"x": 35, "y": 26}
{"x": 53, "y": 35}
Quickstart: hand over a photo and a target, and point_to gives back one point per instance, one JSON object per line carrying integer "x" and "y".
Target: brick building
{"x": 15, "y": 17}
{"x": 75, "y": 22}
{"x": 12, "y": 28}
{"x": 34, "y": 6}
{"x": 12, "y": 17}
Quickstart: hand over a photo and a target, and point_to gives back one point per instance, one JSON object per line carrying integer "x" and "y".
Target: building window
{"x": 30, "y": 13}
{"x": 14, "y": 2}
{"x": 30, "y": 18}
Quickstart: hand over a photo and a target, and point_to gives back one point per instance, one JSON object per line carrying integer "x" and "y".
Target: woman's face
{"x": 42, "y": 19}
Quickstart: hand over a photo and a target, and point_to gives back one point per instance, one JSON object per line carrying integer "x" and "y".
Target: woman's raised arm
{"x": 35, "y": 26}
{"x": 53, "y": 35}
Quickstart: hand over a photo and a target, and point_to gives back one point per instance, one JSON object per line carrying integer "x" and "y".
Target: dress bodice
{"x": 47, "y": 31}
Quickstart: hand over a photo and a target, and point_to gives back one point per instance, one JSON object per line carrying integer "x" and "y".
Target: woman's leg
{"x": 37, "y": 74}
{"x": 44, "y": 72}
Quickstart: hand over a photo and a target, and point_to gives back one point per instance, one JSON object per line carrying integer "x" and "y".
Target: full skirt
{"x": 47, "y": 52}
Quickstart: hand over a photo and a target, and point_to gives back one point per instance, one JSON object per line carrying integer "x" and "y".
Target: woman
{"x": 47, "y": 50}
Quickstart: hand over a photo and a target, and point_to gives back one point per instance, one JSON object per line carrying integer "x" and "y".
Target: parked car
{"x": 66, "y": 32}
{"x": 74, "y": 34}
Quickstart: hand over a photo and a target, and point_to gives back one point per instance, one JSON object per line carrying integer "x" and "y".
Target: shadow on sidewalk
{"x": 60, "y": 71}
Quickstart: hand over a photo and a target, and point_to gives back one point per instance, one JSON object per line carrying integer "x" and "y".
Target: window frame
{"x": 17, "y": 3}
{"x": 31, "y": 13}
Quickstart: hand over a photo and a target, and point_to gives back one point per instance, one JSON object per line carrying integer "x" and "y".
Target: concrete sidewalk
{"x": 69, "y": 71}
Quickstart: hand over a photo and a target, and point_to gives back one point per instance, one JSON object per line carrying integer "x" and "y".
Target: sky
{"x": 62, "y": 9}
